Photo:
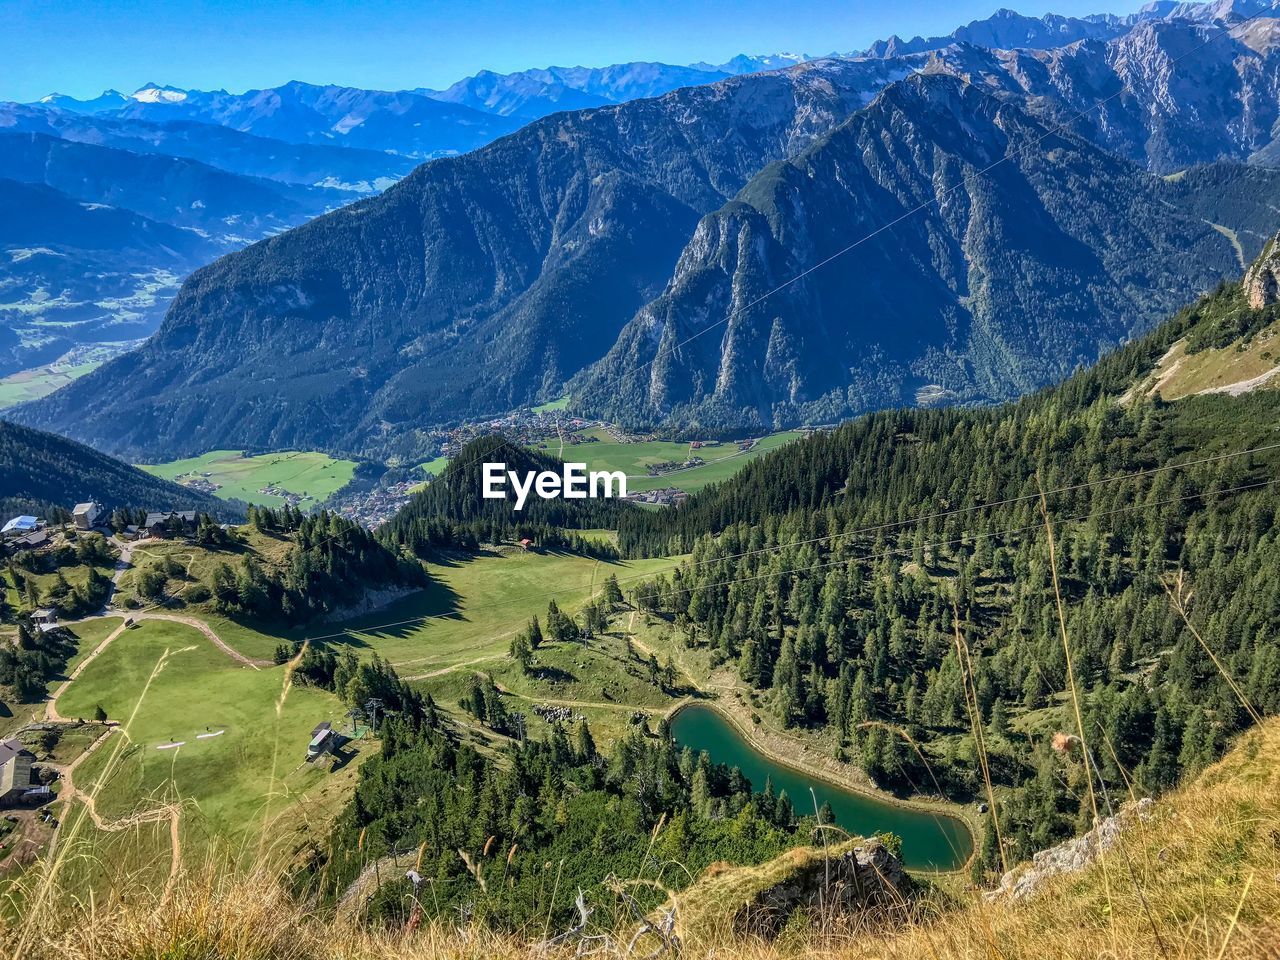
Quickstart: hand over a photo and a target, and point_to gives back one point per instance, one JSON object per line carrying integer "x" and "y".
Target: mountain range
{"x": 587, "y": 245}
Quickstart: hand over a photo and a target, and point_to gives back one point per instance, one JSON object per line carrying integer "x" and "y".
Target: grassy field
{"x": 723, "y": 460}
{"x": 40, "y": 382}
{"x": 553, "y": 406}
{"x": 474, "y": 606}
{"x": 1180, "y": 374}
{"x": 165, "y": 683}
{"x": 316, "y": 476}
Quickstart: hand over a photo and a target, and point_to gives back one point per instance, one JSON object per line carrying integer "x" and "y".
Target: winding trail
{"x": 51, "y": 705}
{"x": 207, "y": 630}
{"x": 170, "y": 811}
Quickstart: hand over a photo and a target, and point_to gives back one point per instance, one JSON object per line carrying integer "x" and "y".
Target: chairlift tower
{"x": 356, "y": 715}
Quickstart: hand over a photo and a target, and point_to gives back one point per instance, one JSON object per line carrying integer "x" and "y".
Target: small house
{"x": 525, "y": 543}
{"x": 20, "y": 527}
{"x": 170, "y": 522}
{"x": 15, "y": 771}
{"x": 36, "y": 538}
{"x": 45, "y": 616}
{"x": 86, "y": 515}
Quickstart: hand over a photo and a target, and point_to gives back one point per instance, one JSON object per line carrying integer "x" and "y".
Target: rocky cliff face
{"x": 998, "y": 255}
{"x": 1262, "y": 280}
{"x": 1169, "y": 93}
{"x": 1072, "y": 855}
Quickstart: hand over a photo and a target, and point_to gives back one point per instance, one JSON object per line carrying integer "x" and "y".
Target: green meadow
{"x": 475, "y": 605}
{"x": 314, "y": 475}
{"x": 40, "y": 382}
{"x": 165, "y": 682}
{"x": 722, "y": 460}
{"x": 469, "y": 611}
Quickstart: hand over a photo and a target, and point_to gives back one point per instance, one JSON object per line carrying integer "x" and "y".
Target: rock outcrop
{"x": 856, "y": 877}
{"x": 1262, "y": 281}
{"x": 1071, "y": 855}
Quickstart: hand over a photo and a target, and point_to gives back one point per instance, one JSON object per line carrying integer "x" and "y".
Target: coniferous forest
{"x": 899, "y": 569}
{"x": 898, "y": 575}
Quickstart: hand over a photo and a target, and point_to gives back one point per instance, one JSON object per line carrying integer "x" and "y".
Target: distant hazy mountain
{"x": 531, "y": 94}
{"x": 107, "y": 100}
{"x": 97, "y": 257}
{"x": 743, "y": 63}
{"x": 181, "y": 192}
{"x": 74, "y": 272}
{"x": 344, "y": 169}
{"x": 1008, "y": 30}
{"x": 403, "y": 122}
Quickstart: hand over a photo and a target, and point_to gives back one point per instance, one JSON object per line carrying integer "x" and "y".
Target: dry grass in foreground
{"x": 1199, "y": 879}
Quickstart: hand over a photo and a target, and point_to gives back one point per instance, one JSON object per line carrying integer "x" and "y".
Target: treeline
{"x": 508, "y": 841}
{"x": 451, "y": 513}
{"x": 45, "y": 474}
{"x": 858, "y": 582}
{"x": 333, "y": 563}
{"x": 27, "y": 664}
{"x": 28, "y": 572}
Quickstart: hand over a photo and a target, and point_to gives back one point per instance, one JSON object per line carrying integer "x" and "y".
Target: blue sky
{"x": 80, "y": 47}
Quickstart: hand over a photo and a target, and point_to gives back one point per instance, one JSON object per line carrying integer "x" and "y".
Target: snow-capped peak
{"x": 154, "y": 93}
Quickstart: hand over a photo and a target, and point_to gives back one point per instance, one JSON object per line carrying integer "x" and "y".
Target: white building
{"x": 86, "y": 514}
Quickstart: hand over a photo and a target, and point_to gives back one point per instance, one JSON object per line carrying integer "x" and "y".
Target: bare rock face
{"x": 1262, "y": 281}
{"x": 866, "y": 877}
{"x": 1069, "y": 856}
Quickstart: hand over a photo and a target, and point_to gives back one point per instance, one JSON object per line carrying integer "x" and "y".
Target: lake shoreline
{"x": 933, "y": 807}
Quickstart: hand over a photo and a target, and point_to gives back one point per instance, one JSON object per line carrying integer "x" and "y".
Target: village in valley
{"x": 660, "y": 472}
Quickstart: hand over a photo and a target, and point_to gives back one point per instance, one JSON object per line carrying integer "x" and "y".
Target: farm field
{"x": 723, "y": 460}
{"x": 316, "y": 476}
{"x": 40, "y": 382}
{"x": 552, "y": 406}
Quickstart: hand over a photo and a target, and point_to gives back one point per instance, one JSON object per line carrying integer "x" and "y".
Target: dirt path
{"x": 50, "y": 708}
{"x": 207, "y": 630}
{"x": 170, "y": 811}
{"x": 454, "y": 667}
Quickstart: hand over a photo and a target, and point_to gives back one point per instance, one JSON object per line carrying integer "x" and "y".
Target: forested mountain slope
{"x": 484, "y": 282}
{"x": 39, "y": 471}
{"x": 898, "y": 568}
{"x": 470, "y": 285}
{"x": 450, "y": 512}
{"x": 1022, "y": 252}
